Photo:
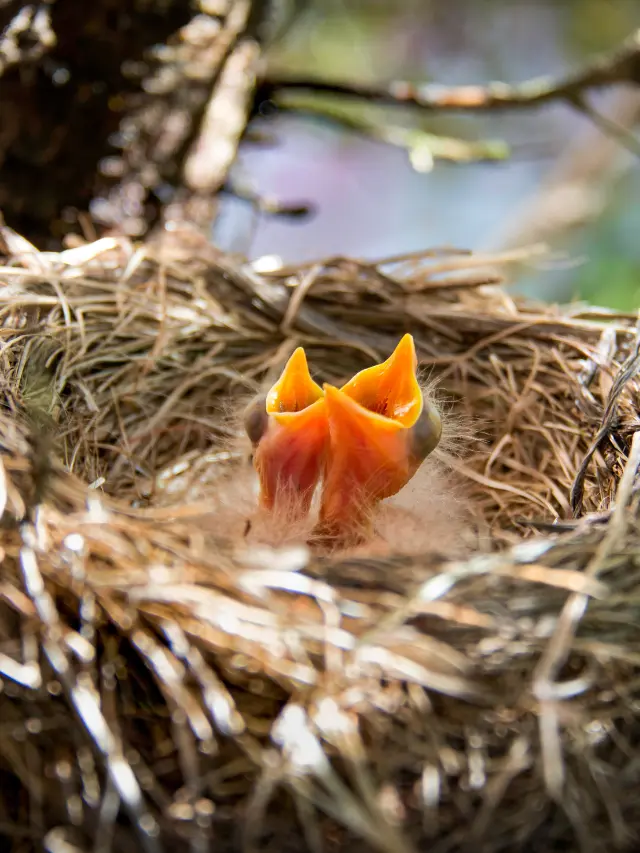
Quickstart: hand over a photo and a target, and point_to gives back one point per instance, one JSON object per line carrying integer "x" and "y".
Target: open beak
{"x": 289, "y": 431}
{"x": 380, "y": 431}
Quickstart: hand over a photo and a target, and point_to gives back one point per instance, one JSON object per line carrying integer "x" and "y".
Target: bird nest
{"x": 168, "y": 680}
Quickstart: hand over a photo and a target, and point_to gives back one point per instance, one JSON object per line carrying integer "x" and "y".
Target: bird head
{"x": 366, "y": 440}
{"x": 288, "y": 429}
{"x": 381, "y": 428}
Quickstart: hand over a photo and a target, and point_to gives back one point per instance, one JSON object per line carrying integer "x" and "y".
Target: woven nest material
{"x": 166, "y": 683}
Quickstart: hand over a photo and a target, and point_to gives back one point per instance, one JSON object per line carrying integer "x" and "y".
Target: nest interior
{"x": 166, "y": 682}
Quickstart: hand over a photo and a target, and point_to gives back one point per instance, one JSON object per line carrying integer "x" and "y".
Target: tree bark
{"x": 121, "y": 108}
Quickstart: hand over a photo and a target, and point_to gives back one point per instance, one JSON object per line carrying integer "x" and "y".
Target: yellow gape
{"x": 366, "y": 440}
{"x": 289, "y": 432}
{"x": 380, "y": 431}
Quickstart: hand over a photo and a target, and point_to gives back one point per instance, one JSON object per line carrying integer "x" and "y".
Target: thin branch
{"x": 621, "y": 65}
{"x": 610, "y": 127}
{"x": 422, "y": 147}
{"x": 266, "y": 205}
{"x": 578, "y": 185}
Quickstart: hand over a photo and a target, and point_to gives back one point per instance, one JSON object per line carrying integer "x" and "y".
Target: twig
{"x": 621, "y": 65}
{"x": 265, "y": 205}
{"x": 610, "y": 127}
{"x": 626, "y": 373}
{"x": 547, "y": 689}
{"x": 578, "y": 185}
{"x": 422, "y": 147}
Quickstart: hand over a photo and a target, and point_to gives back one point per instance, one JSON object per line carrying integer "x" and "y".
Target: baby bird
{"x": 288, "y": 430}
{"x": 381, "y": 429}
{"x": 361, "y": 443}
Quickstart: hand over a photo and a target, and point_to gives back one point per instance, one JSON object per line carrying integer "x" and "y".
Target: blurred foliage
{"x": 464, "y": 41}
{"x": 612, "y": 274}
{"x": 360, "y": 38}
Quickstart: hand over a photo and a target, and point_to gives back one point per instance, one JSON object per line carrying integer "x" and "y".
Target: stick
{"x": 618, "y": 66}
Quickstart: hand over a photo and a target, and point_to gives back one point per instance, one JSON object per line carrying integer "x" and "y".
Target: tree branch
{"x": 621, "y": 65}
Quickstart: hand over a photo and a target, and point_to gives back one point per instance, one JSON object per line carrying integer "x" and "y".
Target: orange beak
{"x": 380, "y": 431}
{"x": 289, "y": 431}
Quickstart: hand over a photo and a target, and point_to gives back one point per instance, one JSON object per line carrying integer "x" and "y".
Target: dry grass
{"x": 167, "y": 678}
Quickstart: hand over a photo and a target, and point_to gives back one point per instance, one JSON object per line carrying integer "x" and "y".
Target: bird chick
{"x": 365, "y": 441}
{"x": 381, "y": 429}
{"x": 288, "y": 430}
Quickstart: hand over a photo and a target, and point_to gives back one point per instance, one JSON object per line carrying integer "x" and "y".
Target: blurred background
{"x": 563, "y": 182}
